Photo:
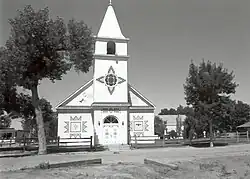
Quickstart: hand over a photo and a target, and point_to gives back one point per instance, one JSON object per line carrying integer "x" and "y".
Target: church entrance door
{"x": 111, "y": 129}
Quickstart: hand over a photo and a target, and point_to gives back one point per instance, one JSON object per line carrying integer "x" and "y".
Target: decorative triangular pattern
{"x": 75, "y": 118}
{"x": 111, "y": 80}
{"x": 66, "y": 127}
{"x": 138, "y": 117}
{"x": 100, "y": 79}
{"x": 75, "y": 135}
{"x": 139, "y": 134}
{"x": 111, "y": 90}
{"x": 130, "y": 125}
{"x": 111, "y": 70}
{"x": 146, "y": 126}
{"x": 121, "y": 80}
{"x": 84, "y": 126}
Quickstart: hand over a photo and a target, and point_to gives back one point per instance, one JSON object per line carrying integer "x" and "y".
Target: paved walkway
{"x": 135, "y": 156}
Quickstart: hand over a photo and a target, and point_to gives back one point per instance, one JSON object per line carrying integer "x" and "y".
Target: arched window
{"x": 111, "y": 48}
{"x": 110, "y": 119}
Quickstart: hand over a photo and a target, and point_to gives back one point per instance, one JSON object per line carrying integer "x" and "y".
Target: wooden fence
{"x": 237, "y": 137}
{"x": 57, "y": 141}
{"x": 226, "y": 138}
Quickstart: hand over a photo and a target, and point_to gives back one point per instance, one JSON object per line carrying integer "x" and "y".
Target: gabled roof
{"x": 110, "y": 27}
{"x": 137, "y": 99}
{"x": 246, "y": 125}
{"x": 83, "y": 97}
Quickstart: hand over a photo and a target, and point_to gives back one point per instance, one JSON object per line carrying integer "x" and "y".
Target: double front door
{"x": 111, "y": 135}
{"x": 110, "y": 130}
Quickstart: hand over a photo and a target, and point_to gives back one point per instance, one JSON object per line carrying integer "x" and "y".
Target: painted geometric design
{"x": 146, "y": 126}
{"x": 120, "y": 80}
{"x": 75, "y": 135}
{"x": 138, "y": 134}
{"x": 130, "y": 125}
{"x": 111, "y": 80}
{"x": 66, "y": 127}
{"x": 75, "y": 127}
{"x": 138, "y": 125}
{"x": 84, "y": 97}
{"x": 138, "y": 117}
{"x": 84, "y": 126}
{"x": 76, "y": 118}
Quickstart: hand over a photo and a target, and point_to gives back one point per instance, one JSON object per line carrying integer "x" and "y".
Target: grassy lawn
{"x": 232, "y": 167}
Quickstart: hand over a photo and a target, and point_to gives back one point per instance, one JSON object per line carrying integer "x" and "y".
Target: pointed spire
{"x": 110, "y": 27}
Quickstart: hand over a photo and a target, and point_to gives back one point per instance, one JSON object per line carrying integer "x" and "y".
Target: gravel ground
{"x": 232, "y": 167}
{"x": 217, "y": 162}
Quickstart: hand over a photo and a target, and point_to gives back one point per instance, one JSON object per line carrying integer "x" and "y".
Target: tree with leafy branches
{"x": 166, "y": 111}
{"x": 37, "y": 49}
{"x": 238, "y": 114}
{"x": 5, "y": 120}
{"x": 207, "y": 87}
{"x": 10, "y": 99}
{"x": 29, "y": 116}
{"x": 179, "y": 124}
{"x": 159, "y": 126}
{"x": 14, "y": 104}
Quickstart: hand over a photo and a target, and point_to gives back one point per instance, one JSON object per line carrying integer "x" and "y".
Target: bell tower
{"x": 110, "y": 62}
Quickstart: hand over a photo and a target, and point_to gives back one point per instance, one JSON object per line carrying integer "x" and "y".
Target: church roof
{"x": 246, "y": 125}
{"x": 83, "y": 97}
{"x": 110, "y": 27}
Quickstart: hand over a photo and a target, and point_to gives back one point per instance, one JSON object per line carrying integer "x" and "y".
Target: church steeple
{"x": 111, "y": 62}
{"x": 110, "y": 27}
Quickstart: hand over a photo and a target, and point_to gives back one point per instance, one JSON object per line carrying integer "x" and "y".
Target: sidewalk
{"x": 133, "y": 156}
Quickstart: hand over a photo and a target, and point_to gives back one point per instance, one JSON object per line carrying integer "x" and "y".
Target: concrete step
{"x": 118, "y": 147}
{"x": 125, "y": 147}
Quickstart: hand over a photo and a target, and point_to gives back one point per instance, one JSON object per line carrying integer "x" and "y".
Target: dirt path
{"x": 134, "y": 156}
{"x": 233, "y": 167}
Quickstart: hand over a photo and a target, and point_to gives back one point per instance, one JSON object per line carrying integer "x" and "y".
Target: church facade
{"x": 107, "y": 107}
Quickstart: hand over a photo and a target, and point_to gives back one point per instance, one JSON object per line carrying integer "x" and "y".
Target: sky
{"x": 164, "y": 36}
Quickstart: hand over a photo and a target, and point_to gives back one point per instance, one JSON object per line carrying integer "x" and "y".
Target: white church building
{"x": 107, "y": 107}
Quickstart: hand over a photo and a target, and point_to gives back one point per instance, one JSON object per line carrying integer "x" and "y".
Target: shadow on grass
{"x": 33, "y": 150}
{"x": 207, "y": 144}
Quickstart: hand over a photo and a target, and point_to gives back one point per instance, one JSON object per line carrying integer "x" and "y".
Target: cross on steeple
{"x": 110, "y": 2}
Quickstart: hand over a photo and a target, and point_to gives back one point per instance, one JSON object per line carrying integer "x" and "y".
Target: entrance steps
{"x": 118, "y": 147}
{"x": 124, "y": 147}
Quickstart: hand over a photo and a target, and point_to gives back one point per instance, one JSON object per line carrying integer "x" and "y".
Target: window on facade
{"x": 110, "y": 119}
{"x": 111, "y": 48}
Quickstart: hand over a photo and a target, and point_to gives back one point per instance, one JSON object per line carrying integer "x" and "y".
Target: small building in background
{"x": 14, "y": 131}
{"x": 174, "y": 123}
{"x": 244, "y": 127}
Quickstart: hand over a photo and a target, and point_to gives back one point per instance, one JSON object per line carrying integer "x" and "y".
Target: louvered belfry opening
{"x": 111, "y": 48}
